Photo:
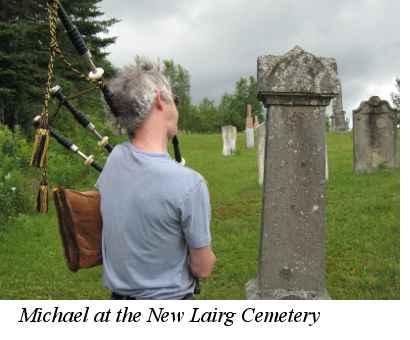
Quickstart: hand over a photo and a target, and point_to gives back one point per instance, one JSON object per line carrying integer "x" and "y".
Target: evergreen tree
{"x": 24, "y": 43}
{"x": 21, "y": 58}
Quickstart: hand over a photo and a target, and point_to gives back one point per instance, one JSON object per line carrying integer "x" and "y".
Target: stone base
{"x": 253, "y": 293}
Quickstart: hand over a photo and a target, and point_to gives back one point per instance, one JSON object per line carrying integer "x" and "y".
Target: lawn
{"x": 362, "y": 227}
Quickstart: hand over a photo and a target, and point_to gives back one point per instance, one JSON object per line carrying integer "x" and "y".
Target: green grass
{"x": 362, "y": 245}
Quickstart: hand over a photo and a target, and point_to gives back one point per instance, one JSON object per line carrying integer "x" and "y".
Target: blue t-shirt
{"x": 153, "y": 209}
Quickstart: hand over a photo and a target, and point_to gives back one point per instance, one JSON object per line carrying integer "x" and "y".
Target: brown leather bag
{"x": 80, "y": 223}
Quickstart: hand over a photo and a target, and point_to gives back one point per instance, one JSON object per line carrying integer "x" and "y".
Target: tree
{"x": 232, "y": 108}
{"x": 395, "y": 98}
{"x": 20, "y": 58}
{"x": 24, "y": 45}
{"x": 206, "y": 116}
{"x": 181, "y": 86}
{"x": 226, "y": 109}
{"x": 257, "y": 107}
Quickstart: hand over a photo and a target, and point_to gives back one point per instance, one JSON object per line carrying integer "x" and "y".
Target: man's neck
{"x": 149, "y": 140}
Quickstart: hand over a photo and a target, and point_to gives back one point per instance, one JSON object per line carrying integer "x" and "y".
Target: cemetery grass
{"x": 362, "y": 231}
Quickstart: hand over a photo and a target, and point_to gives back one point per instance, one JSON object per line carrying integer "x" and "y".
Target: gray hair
{"x": 134, "y": 90}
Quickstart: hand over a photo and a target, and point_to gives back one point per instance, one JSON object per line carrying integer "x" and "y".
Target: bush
{"x": 19, "y": 182}
{"x": 15, "y": 190}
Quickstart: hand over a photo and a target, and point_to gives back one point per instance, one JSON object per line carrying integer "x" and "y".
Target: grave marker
{"x": 374, "y": 135}
{"x": 294, "y": 88}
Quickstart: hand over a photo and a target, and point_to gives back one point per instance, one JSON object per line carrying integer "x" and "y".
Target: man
{"x": 156, "y": 213}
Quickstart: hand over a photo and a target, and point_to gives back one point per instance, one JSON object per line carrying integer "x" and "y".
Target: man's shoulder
{"x": 119, "y": 149}
{"x": 184, "y": 177}
{"x": 116, "y": 153}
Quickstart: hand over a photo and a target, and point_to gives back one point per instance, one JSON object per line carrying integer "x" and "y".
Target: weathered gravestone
{"x": 325, "y": 113}
{"x": 338, "y": 120}
{"x": 250, "y": 139}
{"x": 326, "y": 164}
{"x": 293, "y": 88}
{"x": 260, "y": 145}
{"x": 374, "y": 135}
{"x": 228, "y": 139}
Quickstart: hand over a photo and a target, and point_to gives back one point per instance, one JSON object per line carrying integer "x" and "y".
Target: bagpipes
{"x": 95, "y": 76}
{"x": 78, "y": 213}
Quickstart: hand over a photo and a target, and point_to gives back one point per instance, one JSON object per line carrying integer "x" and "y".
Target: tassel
{"x": 42, "y": 198}
{"x": 40, "y": 147}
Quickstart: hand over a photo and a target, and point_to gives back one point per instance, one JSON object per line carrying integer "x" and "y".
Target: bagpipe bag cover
{"x": 80, "y": 225}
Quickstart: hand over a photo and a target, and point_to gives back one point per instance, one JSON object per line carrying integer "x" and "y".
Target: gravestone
{"x": 260, "y": 145}
{"x": 294, "y": 88}
{"x": 228, "y": 139}
{"x": 339, "y": 123}
{"x": 326, "y": 164}
{"x": 325, "y": 113}
{"x": 374, "y": 135}
{"x": 250, "y": 139}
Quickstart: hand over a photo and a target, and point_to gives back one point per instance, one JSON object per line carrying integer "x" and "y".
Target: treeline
{"x": 208, "y": 115}
{"x": 24, "y": 52}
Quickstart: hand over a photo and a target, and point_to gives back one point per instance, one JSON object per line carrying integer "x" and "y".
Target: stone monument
{"x": 326, "y": 164}
{"x": 260, "y": 145}
{"x": 250, "y": 139}
{"x": 374, "y": 136}
{"x": 338, "y": 120}
{"x": 294, "y": 88}
{"x": 228, "y": 139}
{"x": 325, "y": 112}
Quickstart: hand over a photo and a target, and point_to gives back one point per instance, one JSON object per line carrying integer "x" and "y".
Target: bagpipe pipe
{"x": 95, "y": 75}
{"x": 79, "y": 216}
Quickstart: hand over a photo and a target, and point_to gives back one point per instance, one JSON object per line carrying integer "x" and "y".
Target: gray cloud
{"x": 219, "y": 41}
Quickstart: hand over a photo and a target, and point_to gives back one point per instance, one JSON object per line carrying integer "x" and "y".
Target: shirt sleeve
{"x": 97, "y": 184}
{"x": 196, "y": 216}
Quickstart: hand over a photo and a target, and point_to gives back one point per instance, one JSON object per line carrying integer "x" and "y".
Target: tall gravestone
{"x": 228, "y": 139}
{"x": 294, "y": 88}
{"x": 374, "y": 135}
{"x": 325, "y": 113}
{"x": 260, "y": 145}
{"x": 326, "y": 164}
{"x": 339, "y": 123}
{"x": 250, "y": 137}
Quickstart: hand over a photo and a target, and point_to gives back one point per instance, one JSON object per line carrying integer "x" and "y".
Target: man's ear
{"x": 158, "y": 102}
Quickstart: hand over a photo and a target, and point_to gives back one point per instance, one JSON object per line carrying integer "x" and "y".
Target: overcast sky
{"x": 219, "y": 41}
